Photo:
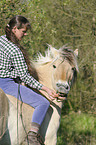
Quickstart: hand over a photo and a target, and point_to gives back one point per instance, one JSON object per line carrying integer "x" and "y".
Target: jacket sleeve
{"x": 20, "y": 69}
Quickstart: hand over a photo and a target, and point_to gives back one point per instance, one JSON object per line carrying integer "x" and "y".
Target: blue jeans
{"x": 30, "y": 97}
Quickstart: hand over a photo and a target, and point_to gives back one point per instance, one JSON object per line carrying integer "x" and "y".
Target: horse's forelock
{"x": 69, "y": 55}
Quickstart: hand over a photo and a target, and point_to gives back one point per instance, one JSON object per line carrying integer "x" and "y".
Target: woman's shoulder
{"x": 4, "y": 41}
{"x": 2, "y": 38}
{"x": 7, "y": 44}
{"x": 8, "y": 47}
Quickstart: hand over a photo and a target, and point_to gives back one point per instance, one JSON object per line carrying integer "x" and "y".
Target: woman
{"x": 14, "y": 66}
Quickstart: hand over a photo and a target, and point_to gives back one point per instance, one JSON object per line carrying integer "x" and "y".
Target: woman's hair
{"x": 19, "y": 22}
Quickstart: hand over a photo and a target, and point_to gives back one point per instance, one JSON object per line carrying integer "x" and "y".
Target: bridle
{"x": 63, "y": 96}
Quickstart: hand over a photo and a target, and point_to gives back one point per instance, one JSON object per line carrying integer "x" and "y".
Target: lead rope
{"x": 20, "y": 116}
{"x": 17, "y": 113}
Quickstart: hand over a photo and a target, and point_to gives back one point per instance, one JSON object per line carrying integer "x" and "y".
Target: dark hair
{"x": 19, "y": 22}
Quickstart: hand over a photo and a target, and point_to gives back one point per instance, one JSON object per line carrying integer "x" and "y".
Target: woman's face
{"x": 19, "y": 33}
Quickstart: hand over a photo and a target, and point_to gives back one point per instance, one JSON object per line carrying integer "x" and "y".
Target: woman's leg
{"x": 32, "y": 98}
{"x": 28, "y": 96}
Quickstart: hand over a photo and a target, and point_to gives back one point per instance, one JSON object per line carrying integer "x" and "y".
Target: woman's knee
{"x": 46, "y": 103}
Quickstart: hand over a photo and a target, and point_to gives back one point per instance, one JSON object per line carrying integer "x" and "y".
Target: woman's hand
{"x": 51, "y": 93}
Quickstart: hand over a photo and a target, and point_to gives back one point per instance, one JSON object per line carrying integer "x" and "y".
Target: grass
{"x": 77, "y": 129}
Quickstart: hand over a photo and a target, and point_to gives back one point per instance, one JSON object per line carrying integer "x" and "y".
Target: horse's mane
{"x": 69, "y": 55}
{"x": 64, "y": 52}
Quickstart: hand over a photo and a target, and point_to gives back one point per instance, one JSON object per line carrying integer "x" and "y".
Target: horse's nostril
{"x": 67, "y": 87}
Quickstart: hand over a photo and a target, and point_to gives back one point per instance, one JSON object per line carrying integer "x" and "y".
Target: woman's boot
{"x": 34, "y": 139}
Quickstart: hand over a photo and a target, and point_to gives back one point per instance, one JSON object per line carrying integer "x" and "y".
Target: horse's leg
{"x": 3, "y": 113}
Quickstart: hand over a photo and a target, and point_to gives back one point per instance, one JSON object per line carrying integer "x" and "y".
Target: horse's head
{"x": 64, "y": 69}
{"x": 61, "y": 68}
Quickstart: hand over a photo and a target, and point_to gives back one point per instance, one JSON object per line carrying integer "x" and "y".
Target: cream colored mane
{"x": 53, "y": 54}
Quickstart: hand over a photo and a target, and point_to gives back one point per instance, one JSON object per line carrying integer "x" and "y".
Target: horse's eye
{"x": 73, "y": 68}
{"x": 54, "y": 66}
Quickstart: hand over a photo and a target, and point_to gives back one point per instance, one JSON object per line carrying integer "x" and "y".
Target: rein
{"x": 17, "y": 112}
{"x": 20, "y": 115}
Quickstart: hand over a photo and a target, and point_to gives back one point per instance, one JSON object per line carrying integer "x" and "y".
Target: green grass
{"x": 77, "y": 129}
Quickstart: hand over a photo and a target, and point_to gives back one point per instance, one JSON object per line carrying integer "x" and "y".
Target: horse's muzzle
{"x": 63, "y": 88}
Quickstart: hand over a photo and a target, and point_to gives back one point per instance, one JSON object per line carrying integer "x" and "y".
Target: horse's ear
{"x": 76, "y": 52}
{"x": 54, "y": 51}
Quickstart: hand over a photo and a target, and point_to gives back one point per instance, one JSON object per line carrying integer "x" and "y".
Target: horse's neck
{"x": 45, "y": 78}
{"x": 44, "y": 73}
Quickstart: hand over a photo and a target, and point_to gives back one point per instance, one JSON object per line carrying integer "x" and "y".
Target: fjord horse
{"x": 56, "y": 70}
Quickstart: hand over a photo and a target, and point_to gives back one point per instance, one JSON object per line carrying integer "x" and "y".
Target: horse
{"x": 57, "y": 70}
